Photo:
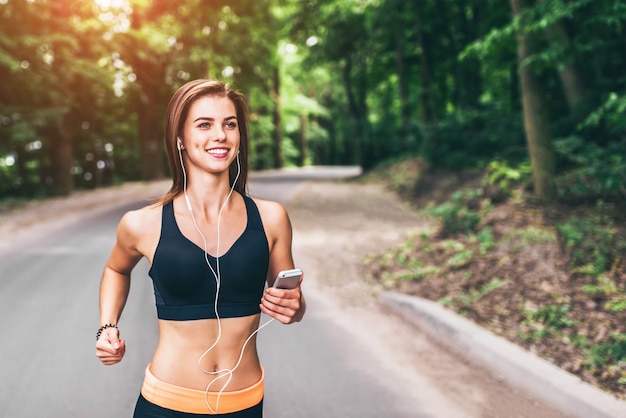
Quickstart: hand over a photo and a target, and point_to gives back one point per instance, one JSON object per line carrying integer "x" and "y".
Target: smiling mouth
{"x": 218, "y": 152}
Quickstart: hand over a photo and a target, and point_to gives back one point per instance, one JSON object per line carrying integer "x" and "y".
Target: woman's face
{"x": 211, "y": 133}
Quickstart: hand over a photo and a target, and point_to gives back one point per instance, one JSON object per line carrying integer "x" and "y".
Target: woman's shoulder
{"x": 139, "y": 221}
{"x": 138, "y": 230}
{"x": 272, "y": 213}
{"x": 269, "y": 206}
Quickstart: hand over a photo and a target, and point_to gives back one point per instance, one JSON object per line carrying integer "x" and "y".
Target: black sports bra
{"x": 184, "y": 286}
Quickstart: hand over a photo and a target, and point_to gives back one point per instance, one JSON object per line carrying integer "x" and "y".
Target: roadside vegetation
{"x": 551, "y": 278}
{"x": 329, "y": 82}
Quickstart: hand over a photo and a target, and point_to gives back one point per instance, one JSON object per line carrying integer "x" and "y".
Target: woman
{"x": 211, "y": 249}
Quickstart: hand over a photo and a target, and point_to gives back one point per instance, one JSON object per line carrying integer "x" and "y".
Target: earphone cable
{"x": 217, "y": 275}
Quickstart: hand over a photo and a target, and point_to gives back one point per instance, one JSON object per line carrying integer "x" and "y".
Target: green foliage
{"x": 555, "y": 316}
{"x": 471, "y": 138}
{"x": 607, "y": 289}
{"x": 546, "y": 321}
{"x": 616, "y": 305}
{"x": 532, "y": 235}
{"x": 399, "y": 174}
{"x": 358, "y": 81}
{"x": 477, "y": 294}
{"x": 608, "y": 353}
{"x": 460, "y": 214}
{"x": 611, "y": 113}
{"x": 403, "y": 262}
{"x": 580, "y": 341}
{"x": 485, "y": 240}
{"x": 414, "y": 271}
{"x": 460, "y": 259}
{"x": 591, "y": 244}
{"x": 501, "y": 179}
{"x": 604, "y": 287}
{"x": 531, "y": 20}
{"x": 594, "y": 170}
{"x": 261, "y": 157}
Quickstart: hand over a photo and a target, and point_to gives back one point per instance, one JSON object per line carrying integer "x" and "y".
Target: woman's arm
{"x": 114, "y": 289}
{"x": 285, "y": 305}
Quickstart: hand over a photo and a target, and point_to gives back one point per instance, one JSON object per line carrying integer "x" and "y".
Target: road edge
{"x": 509, "y": 361}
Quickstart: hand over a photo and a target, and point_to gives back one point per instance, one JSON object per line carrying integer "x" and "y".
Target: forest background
{"x": 510, "y": 117}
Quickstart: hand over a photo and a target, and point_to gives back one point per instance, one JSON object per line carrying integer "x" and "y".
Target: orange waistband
{"x": 195, "y": 401}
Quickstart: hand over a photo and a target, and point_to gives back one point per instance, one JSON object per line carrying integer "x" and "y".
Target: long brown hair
{"x": 175, "y": 117}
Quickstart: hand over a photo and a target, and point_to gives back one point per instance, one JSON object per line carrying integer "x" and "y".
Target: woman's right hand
{"x": 109, "y": 348}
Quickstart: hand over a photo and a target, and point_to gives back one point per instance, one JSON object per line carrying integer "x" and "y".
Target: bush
{"x": 591, "y": 171}
{"x": 501, "y": 179}
{"x": 471, "y": 138}
{"x": 591, "y": 244}
{"x": 460, "y": 214}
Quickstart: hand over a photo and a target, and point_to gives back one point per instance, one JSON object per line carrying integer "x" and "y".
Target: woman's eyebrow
{"x": 213, "y": 119}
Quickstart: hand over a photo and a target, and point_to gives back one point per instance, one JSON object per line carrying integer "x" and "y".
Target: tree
{"x": 571, "y": 80}
{"x": 427, "y": 99}
{"x": 84, "y": 87}
{"x": 536, "y": 119}
{"x": 50, "y": 43}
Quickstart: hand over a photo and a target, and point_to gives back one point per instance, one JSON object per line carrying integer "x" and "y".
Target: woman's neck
{"x": 209, "y": 196}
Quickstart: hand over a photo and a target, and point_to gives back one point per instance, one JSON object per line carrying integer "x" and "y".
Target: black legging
{"x": 145, "y": 409}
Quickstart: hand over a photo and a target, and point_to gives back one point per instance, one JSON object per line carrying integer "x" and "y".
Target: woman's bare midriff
{"x": 182, "y": 343}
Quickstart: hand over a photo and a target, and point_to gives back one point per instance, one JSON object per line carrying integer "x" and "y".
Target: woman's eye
{"x": 231, "y": 125}
{"x": 204, "y": 125}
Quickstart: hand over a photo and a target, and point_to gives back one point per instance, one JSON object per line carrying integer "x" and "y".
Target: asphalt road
{"x": 48, "y": 312}
{"x": 326, "y": 366}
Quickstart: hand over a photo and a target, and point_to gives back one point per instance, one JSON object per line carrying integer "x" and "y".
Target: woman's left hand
{"x": 285, "y": 305}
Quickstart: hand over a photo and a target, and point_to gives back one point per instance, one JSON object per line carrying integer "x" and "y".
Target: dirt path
{"x": 336, "y": 225}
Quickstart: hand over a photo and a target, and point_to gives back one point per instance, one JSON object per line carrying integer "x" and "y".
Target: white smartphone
{"x": 288, "y": 279}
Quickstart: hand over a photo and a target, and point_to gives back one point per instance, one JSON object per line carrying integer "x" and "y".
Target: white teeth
{"x": 217, "y": 151}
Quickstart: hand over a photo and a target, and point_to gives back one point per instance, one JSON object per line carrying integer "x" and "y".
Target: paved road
{"x": 326, "y": 366}
{"x": 48, "y": 310}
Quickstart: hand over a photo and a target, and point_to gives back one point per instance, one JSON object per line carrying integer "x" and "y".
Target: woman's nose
{"x": 220, "y": 133}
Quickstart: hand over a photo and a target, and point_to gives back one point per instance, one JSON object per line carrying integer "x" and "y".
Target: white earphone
{"x": 225, "y": 372}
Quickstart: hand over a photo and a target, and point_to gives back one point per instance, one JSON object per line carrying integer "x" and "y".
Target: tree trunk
{"x": 277, "y": 134}
{"x": 61, "y": 157}
{"x": 571, "y": 80}
{"x": 367, "y": 155}
{"x": 149, "y": 132}
{"x": 26, "y": 188}
{"x": 151, "y": 98}
{"x": 355, "y": 149}
{"x": 536, "y": 119}
{"x": 149, "y": 102}
{"x": 428, "y": 113}
{"x": 304, "y": 146}
{"x": 402, "y": 83}
{"x": 471, "y": 68}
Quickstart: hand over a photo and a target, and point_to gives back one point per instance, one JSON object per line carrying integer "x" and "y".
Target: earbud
{"x": 182, "y": 166}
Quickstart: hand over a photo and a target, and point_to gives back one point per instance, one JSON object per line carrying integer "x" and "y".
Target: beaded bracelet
{"x": 102, "y": 328}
